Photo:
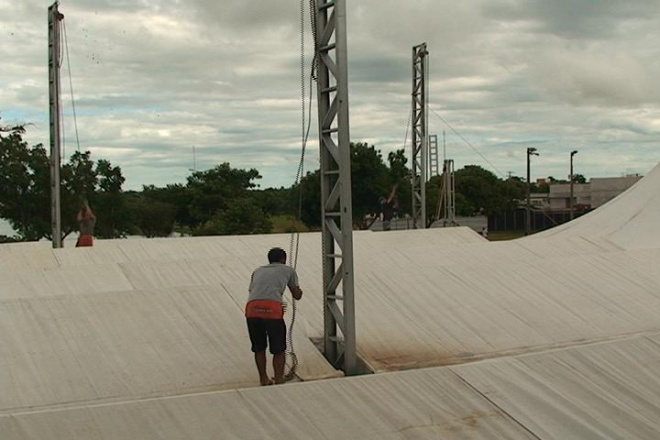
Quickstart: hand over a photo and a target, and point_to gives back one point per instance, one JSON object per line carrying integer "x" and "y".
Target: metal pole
{"x": 54, "y": 19}
{"x": 573, "y": 153}
{"x": 528, "y": 223}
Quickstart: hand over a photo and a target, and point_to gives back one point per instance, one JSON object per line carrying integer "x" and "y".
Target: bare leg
{"x": 278, "y": 365}
{"x": 260, "y": 360}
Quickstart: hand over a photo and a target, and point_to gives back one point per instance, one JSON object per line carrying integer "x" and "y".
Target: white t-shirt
{"x": 269, "y": 282}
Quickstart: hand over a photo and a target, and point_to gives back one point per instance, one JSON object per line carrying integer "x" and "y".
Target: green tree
{"x": 398, "y": 166}
{"x": 216, "y": 189}
{"x": 310, "y": 190}
{"x": 478, "y": 191}
{"x": 177, "y": 195}
{"x": 277, "y": 201}
{"x": 110, "y": 202}
{"x": 152, "y": 218}
{"x": 242, "y": 216}
{"x": 579, "y": 178}
{"x": 25, "y": 189}
{"x": 400, "y": 177}
{"x": 370, "y": 181}
{"x": 25, "y": 186}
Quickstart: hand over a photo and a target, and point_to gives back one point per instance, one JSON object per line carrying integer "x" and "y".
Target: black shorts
{"x": 273, "y": 329}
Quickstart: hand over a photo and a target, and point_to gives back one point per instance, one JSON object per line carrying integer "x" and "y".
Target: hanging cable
{"x": 73, "y": 101}
{"x": 306, "y": 122}
{"x": 405, "y": 138}
{"x": 467, "y": 143}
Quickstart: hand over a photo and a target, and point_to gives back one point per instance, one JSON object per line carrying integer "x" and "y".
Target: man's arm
{"x": 296, "y": 292}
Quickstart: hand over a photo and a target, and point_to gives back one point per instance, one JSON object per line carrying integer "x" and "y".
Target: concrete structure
{"x": 559, "y": 195}
{"x": 604, "y": 189}
{"x": 597, "y": 192}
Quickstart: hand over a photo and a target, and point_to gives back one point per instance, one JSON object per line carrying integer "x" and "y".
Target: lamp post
{"x": 528, "y": 225}
{"x": 570, "y": 202}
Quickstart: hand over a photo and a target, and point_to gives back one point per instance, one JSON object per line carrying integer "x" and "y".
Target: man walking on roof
{"x": 264, "y": 312}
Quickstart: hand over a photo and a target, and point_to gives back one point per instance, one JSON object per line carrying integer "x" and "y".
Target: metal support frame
{"x": 419, "y": 136}
{"x": 528, "y": 218}
{"x": 336, "y": 207}
{"x": 54, "y": 53}
{"x": 449, "y": 186}
{"x": 434, "y": 163}
{"x": 571, "y": 201}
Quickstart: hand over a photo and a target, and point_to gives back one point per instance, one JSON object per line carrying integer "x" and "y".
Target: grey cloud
{"x": 574, "y": 18}
{"x": 588, "y": 77}
{"x": 154, "y": 78}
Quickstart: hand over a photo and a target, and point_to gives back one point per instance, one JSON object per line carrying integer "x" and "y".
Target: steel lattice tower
{"x": 337, "y": 215}
{"x": 419, "y": 140}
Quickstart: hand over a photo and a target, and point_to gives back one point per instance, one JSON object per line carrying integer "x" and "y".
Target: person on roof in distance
{"x": 86, "y": 222}
{"x": 264, "y": 312}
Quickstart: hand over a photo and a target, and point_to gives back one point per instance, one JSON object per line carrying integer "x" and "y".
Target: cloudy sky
{"x": 153, "y": 78}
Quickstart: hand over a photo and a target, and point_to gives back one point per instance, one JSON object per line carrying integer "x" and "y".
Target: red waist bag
{"x": 85, "y": 241}
{"x": 264, "y": 309}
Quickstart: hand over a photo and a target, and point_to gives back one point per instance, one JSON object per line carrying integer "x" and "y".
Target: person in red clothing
{"x": 86, "y": 222}
{"x": 264, "y": 312}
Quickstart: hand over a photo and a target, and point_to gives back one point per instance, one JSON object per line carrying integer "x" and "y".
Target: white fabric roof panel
{"x": 125, "y": 345}
{"x": 452, "y": 312}
{"x": 129, "y": 319}
{"x": 69, "y": 280}
{"x": 630, "y": 220}
{"x": 600, "y": 391}
{"x": 35, "y": 255}
{"x": 421, "y": 405}
{"x": 409, "y": 317}
{"x": 604, "y": 390}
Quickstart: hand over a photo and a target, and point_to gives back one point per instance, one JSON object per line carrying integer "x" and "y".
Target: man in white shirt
{"x": 264, "y": 312}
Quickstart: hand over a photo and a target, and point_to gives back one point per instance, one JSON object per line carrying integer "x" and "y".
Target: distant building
{"x": 560, "y": 195}
{"x": 597, "y": 192}
{"x": 552, "y": 208}
{"x": 538, "y": 200}
{"x": 604, "y": 189}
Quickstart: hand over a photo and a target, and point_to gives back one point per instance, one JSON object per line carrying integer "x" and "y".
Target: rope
{"x": 405, "y": 138}
{"x": 73, "y": 101}
{"x": 294, "y": 242}
{"x": 467, "y": 142}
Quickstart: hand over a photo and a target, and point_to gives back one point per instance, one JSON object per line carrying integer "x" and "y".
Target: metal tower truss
{"x": 335, "y": 157}
{"x": 433, "y": 156}
{"x": 54, "y": 52}
{"x": 419, "y": 140}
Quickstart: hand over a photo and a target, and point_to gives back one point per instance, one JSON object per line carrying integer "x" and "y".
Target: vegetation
{"x": 221, "y": 200}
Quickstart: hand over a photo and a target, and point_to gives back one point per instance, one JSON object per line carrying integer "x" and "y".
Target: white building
{"x": 597, "y": 192}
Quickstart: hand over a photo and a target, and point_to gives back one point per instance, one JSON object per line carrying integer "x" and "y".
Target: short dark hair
{"x": 276, "y": 255}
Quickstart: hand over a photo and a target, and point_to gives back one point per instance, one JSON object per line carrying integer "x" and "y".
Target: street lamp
{"x": 528, "y": 226}
{"x": 573, "y": 153}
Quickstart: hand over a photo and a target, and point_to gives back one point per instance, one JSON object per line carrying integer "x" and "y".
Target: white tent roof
{"x": 631, "y": 220}
{"x": 113, "y": 332}
{"x": 587, "y": 392}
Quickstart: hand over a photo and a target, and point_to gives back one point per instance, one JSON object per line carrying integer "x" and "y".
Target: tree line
{"x": 222, "y": 200}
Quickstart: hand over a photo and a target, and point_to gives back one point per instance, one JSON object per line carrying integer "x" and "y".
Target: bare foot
{"x": 266, "y": 382}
